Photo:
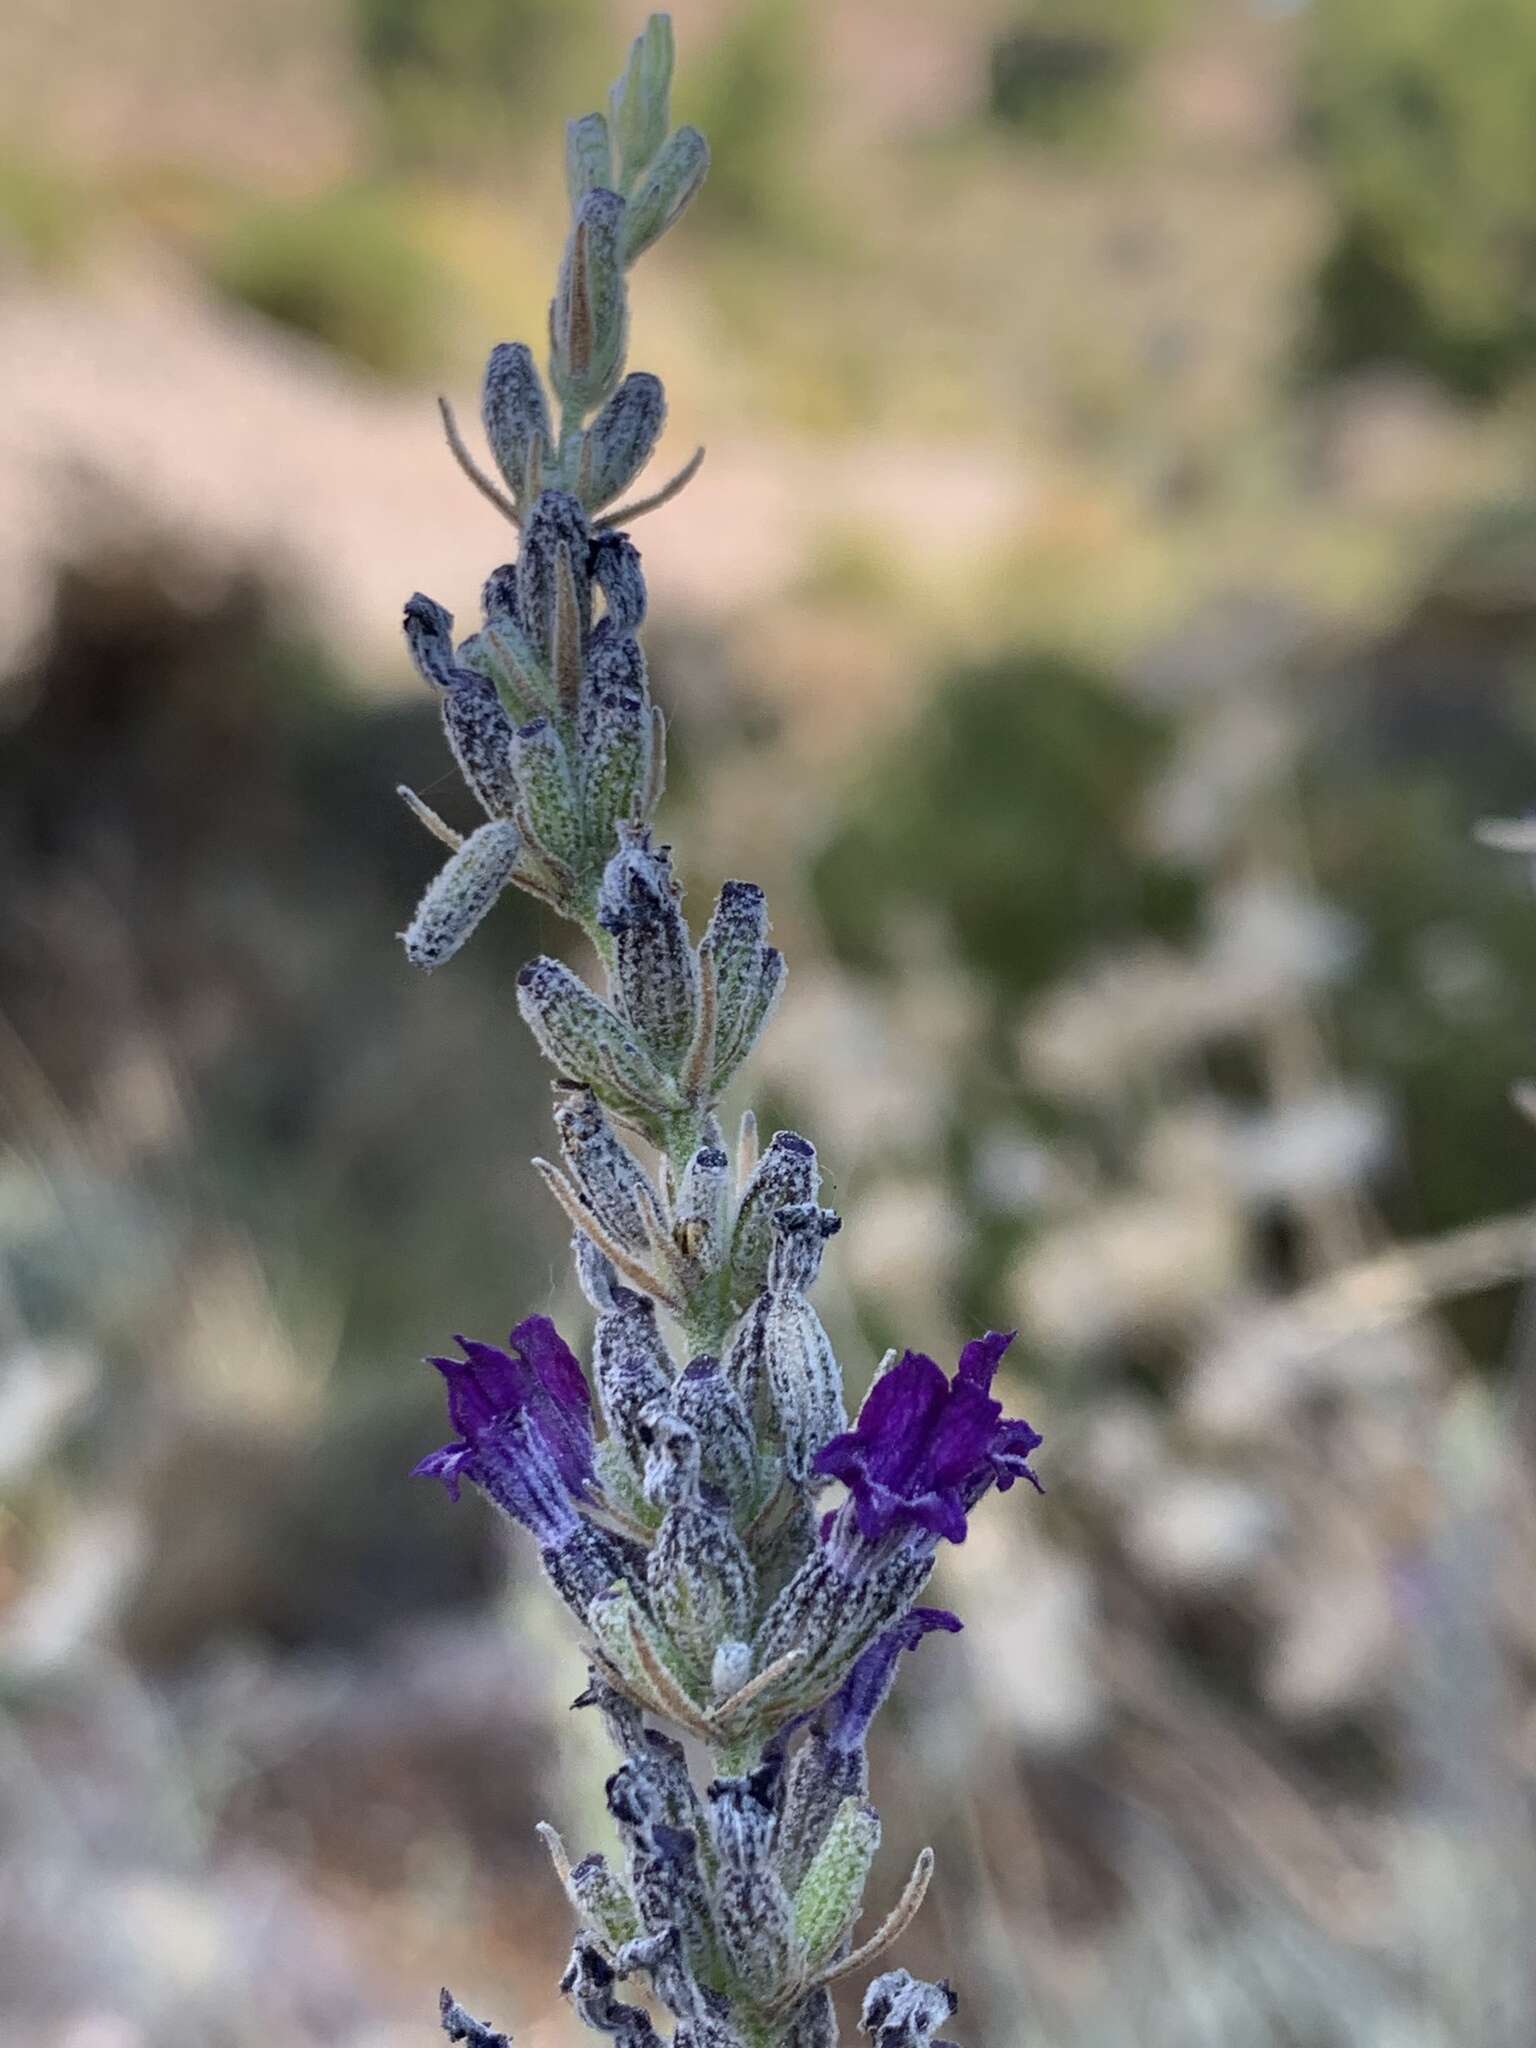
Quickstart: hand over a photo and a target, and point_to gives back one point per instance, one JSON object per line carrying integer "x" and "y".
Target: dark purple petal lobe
{"x": 449, "y": 1464}
{"x": 858, "y": 1700}
{"x": 980, "y": 1358}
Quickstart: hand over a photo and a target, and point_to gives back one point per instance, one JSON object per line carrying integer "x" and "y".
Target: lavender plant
{"x": 683, "y": 1515}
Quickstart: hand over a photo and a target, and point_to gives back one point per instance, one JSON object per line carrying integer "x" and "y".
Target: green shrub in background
{"x": 1060, "y": 69}
{"x": 1014, "y": 813}
{"x": 1011, "y": 811}
{"x": 340, "y": 268}
{"x": 1011, "y": 815}
{"x": 1422, "y": 116}
{"x": 1435, "y": 729}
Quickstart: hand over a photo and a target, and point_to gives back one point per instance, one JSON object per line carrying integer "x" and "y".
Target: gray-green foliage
{"x": 547, "y": 707}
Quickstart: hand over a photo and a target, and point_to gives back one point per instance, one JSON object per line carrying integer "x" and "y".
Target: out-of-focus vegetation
{"x": 1101, "y": 622}
{"x": 752, "y": 98}
{"x": 1421, "y": 117}
{"x": 1061, "y": 71}
{"x": 43, "y": 214}
{"x": 1009, "y": 812}
{"x": 342, "y": 269}
{"x": 455, "y": 82}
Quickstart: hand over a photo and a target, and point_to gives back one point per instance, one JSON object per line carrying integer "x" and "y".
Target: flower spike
{"x": 678, "y": 1490}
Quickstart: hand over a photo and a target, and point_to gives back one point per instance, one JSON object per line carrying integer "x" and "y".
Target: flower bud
{"x": 587, "y": 1562}
{"x": 820, "y": 1780}
{"x": 786, "y": 1173}
{"x": 608, "y": 1179}
{"x": 516, "y": 418}
{"x": 743, "y": 1814}
{"x": 479, "y": 735}
{"x": 832, "y": 1613}
{"x": 616, "y": 572}
{"x": 588, "y": 157}
{"x": 655, "y": 975}
{"x": 671, "y": 1477}
{"x": 603, "y": 1902}
{"x": 552, "y": 575}
{"x": 753, "y": 1914}
{"x": 665, "y": 1763}
{"x": 664, "y": 1873}
{"x": 547, "y": 789}
{"x": 735, "y": 934}
{"x": 478, "y": 730}
{"x": 701, "y": 1581}
{"x": 744, "y": 1362}
{"x": 664, "y": 191}
{"x": 662, "y": 1959}
{"x": 623, "y": 437}
{"x": 460, "y": 2025}
{"x": 748, "y": 974}
{"x": 780, "y": 1341}
{"x": 498, "y": 596}
{"x": 832, "y": 1891}
{"x": 758, "y": 1006}
{"x": 632, "y": 1371}
{"x": 631, "y": 1799}
{"x": 585, "y": 1041}
{"x": 808, "y": 1615}
{"x": 588, "y": 1983}
{"x": 429, "y": 638}
{"x": 595, "y": 1274}
{"x": 703, "y": 1397}
{"x": 461, "y": 893}
{"x": 615, "y": 735}
{"x": 669, "y": 1887}
{"x": 814, "y": 2025}
{"x": 614, "y": 1619}
{"x": 701, "y": 1207}
{"x": 589, "y": 314}
{"x": 639, "y": 101}
{"x": 501, "y": 654}
{"x": 701, "y": 1586}
{"x": 800, "y": 1230}
{"x": 902, "y": 2011}
{"x": 805, "y": 1384}
{"x": 790, "y": 1538}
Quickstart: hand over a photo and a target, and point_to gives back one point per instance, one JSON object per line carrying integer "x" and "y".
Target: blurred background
{"x": 1106, "y": 611}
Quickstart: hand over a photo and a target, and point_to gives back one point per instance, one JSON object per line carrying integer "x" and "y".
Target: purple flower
{"x": 925, "y": 1448}
{"x": 524, "y": 1422}
{"x": 846, "y": 1718}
